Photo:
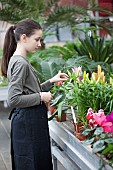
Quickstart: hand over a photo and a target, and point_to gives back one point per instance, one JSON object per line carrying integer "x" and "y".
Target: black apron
{"x": 30, "y": 141}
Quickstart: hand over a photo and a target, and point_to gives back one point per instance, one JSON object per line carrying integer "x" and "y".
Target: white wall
{"x": 3, "y": 28}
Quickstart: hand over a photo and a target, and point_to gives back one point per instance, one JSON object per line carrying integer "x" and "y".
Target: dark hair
{"x": 13, "y": 34}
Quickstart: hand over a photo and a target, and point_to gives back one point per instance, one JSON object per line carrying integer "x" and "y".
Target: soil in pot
{"x": 63, "y": 117}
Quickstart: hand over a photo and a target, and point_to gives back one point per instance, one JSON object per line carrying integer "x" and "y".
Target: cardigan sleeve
{"x": 16, "y": 97}
{"x": 46, "y": 86}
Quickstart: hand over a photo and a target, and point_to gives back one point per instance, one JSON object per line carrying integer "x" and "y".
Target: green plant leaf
{"x": 109, "y": 140}
{"x": 98, "y": 131}
{"x": 107, "y": 149}
{"x": 87, "y": 132}
{"x": 57, "y": 100}
{"x": 53, "y": 115}
{"x": 48, "y": 69}
{"x": 60, "y": 110}
{"x": 89, "y": 141}
{"x": 98, "y": 146}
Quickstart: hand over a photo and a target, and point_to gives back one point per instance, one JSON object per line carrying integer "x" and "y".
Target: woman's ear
{"x": 23, "y": 38}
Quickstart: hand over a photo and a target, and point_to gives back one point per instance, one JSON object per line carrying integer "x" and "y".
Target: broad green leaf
{"x": 109, "y": 140}
{"x": 86, "y": 132}
{"x": 89, "y": 141}
{"x": 57, "y": 100}
{"x": 98, "y": 146}
{"x": 60, "y": 110}
{"x": 53, "y": 115}
{"x": 98, "y": 131}
{"x": 108, "y": 148}
{"x": 48, "y": 70}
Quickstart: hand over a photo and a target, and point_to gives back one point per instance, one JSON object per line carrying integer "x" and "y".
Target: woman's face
{"x": 33, "y": 43}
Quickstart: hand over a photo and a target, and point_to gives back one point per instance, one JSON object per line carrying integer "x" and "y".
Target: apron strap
{"x": 11, "y": 113}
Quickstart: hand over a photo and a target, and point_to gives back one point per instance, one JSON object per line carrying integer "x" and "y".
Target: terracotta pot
{"x": 78, "y": 127}
{"x": 80, "y": 136}
{"x": 63, "y": 117}
{"x": 52, "y": 109}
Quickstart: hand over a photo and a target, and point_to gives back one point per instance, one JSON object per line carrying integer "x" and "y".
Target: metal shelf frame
{"x": 78, "y": 155}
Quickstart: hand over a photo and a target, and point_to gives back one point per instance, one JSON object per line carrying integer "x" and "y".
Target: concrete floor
{"x": 5, "y": 163}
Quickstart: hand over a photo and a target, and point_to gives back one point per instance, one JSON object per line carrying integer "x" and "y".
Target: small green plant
{"x": 3, "y": 81}
{"x": 59, "y": 98}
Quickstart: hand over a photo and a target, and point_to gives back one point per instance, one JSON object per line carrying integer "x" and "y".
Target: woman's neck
{"x": 20, "y": 51}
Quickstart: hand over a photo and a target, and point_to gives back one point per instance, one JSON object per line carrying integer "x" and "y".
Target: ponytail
{"x": 8, "y": 49}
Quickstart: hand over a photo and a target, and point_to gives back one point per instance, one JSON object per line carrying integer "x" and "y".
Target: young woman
{"x": 30, "y": 142}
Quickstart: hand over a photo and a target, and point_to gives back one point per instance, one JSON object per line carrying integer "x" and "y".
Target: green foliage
{"x": 50, "y": 14}
{"x": 96, "y": 49}
{"x": 66, "y": 15}
{"x": 65, "y": 52}
{"x": 68, "y": 58}
{"x": 3, "y": 81}
{"x": 13, "y": 11}
{"x": 44, "y": 69}
{"x": 87, "y": 93}
{"x": 59, "y": 100}
{"x": 16, "y": 10}
{"x": 101, "y": 143}
{"x": 93, "y": 95}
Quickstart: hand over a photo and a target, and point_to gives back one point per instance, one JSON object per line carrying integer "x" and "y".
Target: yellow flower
{"x": 95, "y": 76}
{"x": 99, "y": 69}
{"x": 102, "y": 77}
{"x": 111, "y": 80}
{"x": 99, "y": 76}
{"x": 84, "y": 75}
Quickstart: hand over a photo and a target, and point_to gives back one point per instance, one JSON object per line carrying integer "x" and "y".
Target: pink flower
{"x": 109, "y": 117}
{"x": 92, "y": 123}
{"x": 106, "y": 122}
{"x": 101, "y": 112}
{"x": 89, "y": 114}
{"x": 108, "y": 128}
{"x": 78, "y": 72}
{"x": 99, "y": 118}
{"x": 59, "y": 83}
{"x": 90, "y": 110}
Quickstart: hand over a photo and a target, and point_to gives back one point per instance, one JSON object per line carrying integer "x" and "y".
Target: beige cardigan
{"x": 24, "y": 85}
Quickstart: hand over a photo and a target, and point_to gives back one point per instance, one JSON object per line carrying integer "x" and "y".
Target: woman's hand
{"x": 59, "y": 77}
{"x": 46, "y": 96}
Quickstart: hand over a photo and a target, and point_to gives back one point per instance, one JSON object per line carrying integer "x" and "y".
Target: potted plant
{"x": 58, "y": 102}
{"x": 101, "y": 140}
{"x": 94, "y": 92}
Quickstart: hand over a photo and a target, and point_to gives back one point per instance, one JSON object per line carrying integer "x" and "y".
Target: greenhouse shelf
{"x": 67, "y": 148}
